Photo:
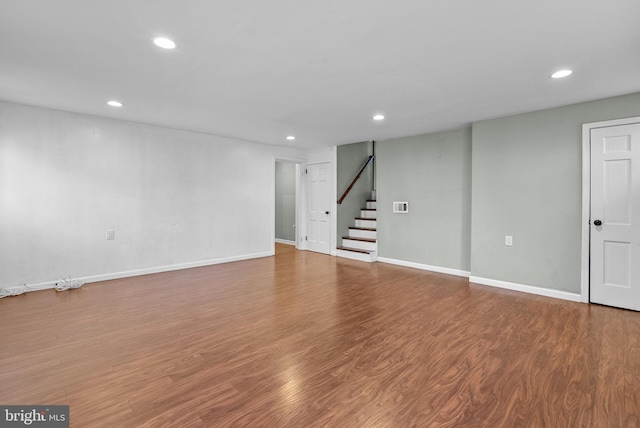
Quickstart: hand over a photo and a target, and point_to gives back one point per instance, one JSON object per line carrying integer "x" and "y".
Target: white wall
{"x": 321, "y": 154}
{"x": 172, "y": 197}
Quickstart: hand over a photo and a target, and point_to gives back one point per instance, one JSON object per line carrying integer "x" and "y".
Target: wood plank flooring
{"x": 308, "y": 340}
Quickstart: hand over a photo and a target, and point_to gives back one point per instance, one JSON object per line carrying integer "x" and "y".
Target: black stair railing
{"x": 353, "y": 182}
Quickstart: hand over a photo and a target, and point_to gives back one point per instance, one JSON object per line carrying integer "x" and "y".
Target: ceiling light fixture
{"x": 114, "y": 103}
{"x": 164, "y": 43}
{"x": 291, "y": 137}
{"x": 561, "y": 73}
{"x": 378, "y": 117}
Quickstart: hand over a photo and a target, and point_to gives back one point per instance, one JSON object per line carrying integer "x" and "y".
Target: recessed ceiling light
{"x": 378, "y": 117}
{"x": 164, "y": 43}
{"x": 561, "y": 73}
{"x": 291, "y": 137}
{"x": 114, "y": 103}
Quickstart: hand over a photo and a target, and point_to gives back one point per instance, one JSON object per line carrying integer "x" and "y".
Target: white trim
{"x": 301, "y": 207}
{"x": 586, "y": 209}
{"x": 586, "y": 196}
{"x": 21, "y": 289}
{"x": 362, "y": 257}
{"x": 334, "y": 201}
{"x": 300, "y": 203}
{"x": 574, "y": 297}
{"x": 285, "y": 241}
{"x": 138, "y": 272}
{"x": 421, "y": 266}
{"x": 272, "y": 205}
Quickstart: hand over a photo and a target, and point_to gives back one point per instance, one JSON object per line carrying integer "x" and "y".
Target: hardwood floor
{"x": 308, "y": 340}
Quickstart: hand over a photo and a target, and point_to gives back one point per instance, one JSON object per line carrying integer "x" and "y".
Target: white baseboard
{"x": 19, "y": 289}
{"x": 491, "y": 282}
{"x": 284, "y": 241}
{"x": 565, "y": 295}
{"x": 421, "y": 266}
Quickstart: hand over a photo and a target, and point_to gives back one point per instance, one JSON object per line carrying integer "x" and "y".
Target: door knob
{"x": 597, "y": 222}
{"x": 326, "y": 212}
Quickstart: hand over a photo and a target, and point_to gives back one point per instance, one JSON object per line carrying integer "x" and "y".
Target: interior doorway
{"x": 611, "y": 213}
{"x": 288, "y": 201}
{"x": 319, "y": 186}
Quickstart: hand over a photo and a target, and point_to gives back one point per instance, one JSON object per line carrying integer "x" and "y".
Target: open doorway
{"x": 288, "y": 199}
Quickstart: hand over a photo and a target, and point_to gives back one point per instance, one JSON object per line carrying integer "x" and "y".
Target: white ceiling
{"x": 260, "y": 70}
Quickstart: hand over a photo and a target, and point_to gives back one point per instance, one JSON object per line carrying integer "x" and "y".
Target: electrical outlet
{"x": 508, "y": 240}
{"x": 111, "y": 234}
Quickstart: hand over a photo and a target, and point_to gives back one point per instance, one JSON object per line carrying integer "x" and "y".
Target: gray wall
{"x": 527, "y": 182}
{"x": 351, "y": 157}
{"x": 285, "y": 201}
{"x": 433, "y": 173}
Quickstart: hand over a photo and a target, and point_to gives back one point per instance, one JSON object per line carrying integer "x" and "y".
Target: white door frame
{"x": 301, "y": 216}
{"x": 586, "y": 196}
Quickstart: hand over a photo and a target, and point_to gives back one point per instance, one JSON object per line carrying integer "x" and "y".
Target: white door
{"x": 319, "y": 207}
{"x": 615, "y": 216}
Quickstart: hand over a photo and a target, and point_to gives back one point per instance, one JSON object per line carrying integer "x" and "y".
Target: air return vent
{"x": 400, "y": 207}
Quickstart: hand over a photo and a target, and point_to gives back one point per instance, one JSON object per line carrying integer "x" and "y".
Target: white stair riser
{"x": 366, "y": 223}
{"x": 370, "y": 234}
{"x": 362, "y": 245}
{"x": 367, "y": 214}
{"x": 372, "y": 205}
{"x": 357, "y": 256}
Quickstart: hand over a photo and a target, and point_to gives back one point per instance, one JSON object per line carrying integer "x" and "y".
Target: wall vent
{"x": 401, "y": 207}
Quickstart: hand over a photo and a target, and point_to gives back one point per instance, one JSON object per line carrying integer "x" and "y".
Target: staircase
{"x": 361, "y": 243}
